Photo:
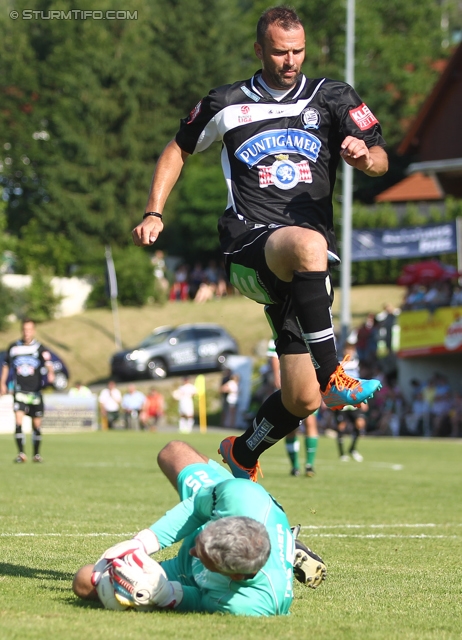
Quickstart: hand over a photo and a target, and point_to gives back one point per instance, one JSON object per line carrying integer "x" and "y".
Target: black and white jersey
{"x": 26, "y": 360}
{"x": 279, "y": 159}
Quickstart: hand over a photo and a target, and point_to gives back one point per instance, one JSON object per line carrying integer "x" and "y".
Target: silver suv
{"x": 176, "y": 350}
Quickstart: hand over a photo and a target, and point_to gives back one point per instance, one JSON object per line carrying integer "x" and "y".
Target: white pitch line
{"x": 310, "y": 528}
{"x": 387, "y": 465}
{"x": 65, "y": 535}
{"x": 311, "y": 535}
{"x": 381, "y": 535}
{"x": 327, "y": 466}
{"x": 381, "y": 526}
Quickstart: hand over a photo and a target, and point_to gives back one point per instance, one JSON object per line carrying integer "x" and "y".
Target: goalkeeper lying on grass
{"x": 238, "y": 554}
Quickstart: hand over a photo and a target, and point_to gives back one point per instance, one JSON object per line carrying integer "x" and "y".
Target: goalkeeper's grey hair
{"x": 236, "y": 544}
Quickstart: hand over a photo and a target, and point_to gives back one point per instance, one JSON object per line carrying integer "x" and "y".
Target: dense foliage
{"x": 88, "y": 105}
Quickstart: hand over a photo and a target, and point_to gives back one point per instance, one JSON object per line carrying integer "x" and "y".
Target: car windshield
{"x": 153, "y": 339}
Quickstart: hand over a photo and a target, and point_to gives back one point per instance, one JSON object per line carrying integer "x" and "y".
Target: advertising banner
{"x": 69, "y": 413}
{"x": 63, "y": 413}
{"x": 411, "y": 242}
{"x": 424, "y": 333}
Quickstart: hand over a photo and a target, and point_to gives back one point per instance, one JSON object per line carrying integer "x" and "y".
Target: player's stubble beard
{"x": 278, "y": 80}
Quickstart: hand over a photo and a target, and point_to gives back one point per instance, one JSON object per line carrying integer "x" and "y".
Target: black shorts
{"x": 349, "y": 416}
{"x": 30, "y": 403}
{"x": 247, "y": 270}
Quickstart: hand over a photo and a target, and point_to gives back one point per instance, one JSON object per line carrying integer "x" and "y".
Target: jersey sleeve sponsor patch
{"x": 363, "y": 117}
{"x": 195, "y": 112}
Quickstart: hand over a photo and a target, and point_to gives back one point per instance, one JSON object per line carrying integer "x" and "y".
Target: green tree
{"x": 97, "y": 102}
{"x": 136, "y": 283}
{"x": 40, "y": 301}
{"x": 88, "y": 105}
{"x": 6, "y": 306}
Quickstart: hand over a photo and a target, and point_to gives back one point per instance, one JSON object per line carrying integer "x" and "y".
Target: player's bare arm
{"x": 373, "y": 162}
{"x": 50, "y": 373}
{"x": 165, "y": 177}
{"x": 3, "y": 389}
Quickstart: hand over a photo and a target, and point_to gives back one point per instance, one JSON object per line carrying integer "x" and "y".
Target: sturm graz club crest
{"x": 311, "y": 118}
{"x": 284, "y": 173}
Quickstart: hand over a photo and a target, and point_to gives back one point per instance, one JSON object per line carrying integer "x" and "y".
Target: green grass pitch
{"x": 389, "y": 530}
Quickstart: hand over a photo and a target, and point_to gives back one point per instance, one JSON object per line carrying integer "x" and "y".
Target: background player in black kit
{"x": 282, "y": 136}
{"x": 26, "y": 357}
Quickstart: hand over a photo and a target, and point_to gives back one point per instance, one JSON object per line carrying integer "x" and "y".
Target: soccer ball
{"x": 105, "y": 591}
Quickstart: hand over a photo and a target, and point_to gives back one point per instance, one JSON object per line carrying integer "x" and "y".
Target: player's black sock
{"x": 20, "y": 438}
{"x": 311, "y": 301}
{"x": 341, "y": 450}
{"x": 354, "y": 440}
{"x": 272, "y": 423}
{"x": 36, "y": 440}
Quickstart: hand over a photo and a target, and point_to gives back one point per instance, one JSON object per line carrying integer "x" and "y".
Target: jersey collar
{"x": 292, "y": 95}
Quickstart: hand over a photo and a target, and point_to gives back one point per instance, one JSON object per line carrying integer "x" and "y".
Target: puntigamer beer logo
{"x": 275, "y": 141}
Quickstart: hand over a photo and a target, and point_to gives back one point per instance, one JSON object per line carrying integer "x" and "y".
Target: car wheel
{"x": 157, "y": 368}
{"x": 61, "y": 381}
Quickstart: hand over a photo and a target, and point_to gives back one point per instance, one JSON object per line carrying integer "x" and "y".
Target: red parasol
{"x": 425, "y": 272}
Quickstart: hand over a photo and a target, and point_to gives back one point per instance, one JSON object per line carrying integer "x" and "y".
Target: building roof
{"x": 415, "y": 187}
{"x": 434, "y": 102}
{"x": 434, "y": 142}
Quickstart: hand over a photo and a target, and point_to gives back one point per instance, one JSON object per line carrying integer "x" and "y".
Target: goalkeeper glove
{"x": 145, "y": 540}
{"x": 142, "y": 580}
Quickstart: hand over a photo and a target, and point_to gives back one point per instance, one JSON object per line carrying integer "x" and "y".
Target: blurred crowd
{"x": 198, "y": 282}
{"x": 431, "y": 296}
{"x": 433, "y": 410}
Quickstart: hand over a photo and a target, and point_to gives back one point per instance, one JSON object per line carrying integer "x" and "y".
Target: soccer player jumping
{"x": 282, "y": 136}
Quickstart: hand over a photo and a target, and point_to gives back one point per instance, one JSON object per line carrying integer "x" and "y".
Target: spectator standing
{"x": 387, "y": 321}
{"x": 224, "y": 405}
{"x": 441, "y": 407}
{"x": 418, "y": 418}
{"x": 456, "y": 297}
{"x": 366, "y": 344}
{"x": 132, "y": 404}
{"x": 153, "y": 410}
{"x": 392, "y": 413}
{"x": 159, "y": 268}
{"x": 455, "y": 415}
{"x": 231, "y": 389}
{"x": 184, "y": 395}
{"x": 26, "y": 357}
{"x": 109, "y": 403}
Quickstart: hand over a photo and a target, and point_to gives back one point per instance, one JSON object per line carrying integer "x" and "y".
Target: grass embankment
{"x": 86, "y": 341}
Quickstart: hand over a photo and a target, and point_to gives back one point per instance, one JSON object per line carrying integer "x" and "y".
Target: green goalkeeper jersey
{"x": 212, "y": 497}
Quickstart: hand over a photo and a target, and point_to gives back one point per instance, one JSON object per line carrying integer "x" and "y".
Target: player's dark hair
{"x": 26, "y": 321}
{"x": 236, "y": 544}
{"x": 284, "y": 17}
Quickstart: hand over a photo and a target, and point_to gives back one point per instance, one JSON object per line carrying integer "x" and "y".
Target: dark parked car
{"x": 176, "y": 350}
{"x": 61, "y": 372}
